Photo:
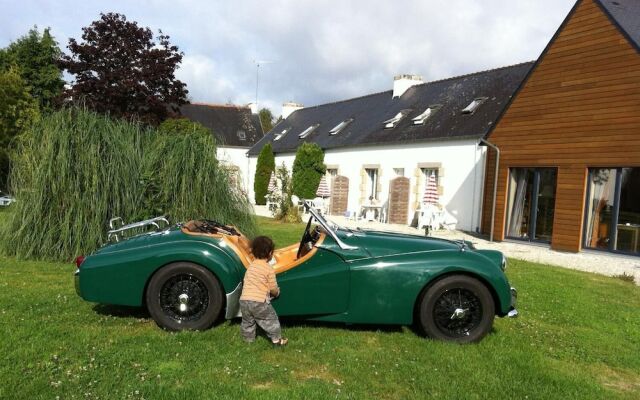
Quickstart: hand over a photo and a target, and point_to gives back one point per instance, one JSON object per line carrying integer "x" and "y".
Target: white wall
{"x": 236, "y": 156}
{"x": 462, "y": 164}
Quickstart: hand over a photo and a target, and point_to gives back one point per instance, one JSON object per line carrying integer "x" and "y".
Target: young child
{"x": 258, "y": 288}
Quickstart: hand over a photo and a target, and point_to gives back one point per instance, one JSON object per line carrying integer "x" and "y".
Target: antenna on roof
{"x": 258, "y": 63}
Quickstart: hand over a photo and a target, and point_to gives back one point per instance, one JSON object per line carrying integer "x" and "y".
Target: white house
{"x": 415, "y": 130}
{"x": 236, "y": 129}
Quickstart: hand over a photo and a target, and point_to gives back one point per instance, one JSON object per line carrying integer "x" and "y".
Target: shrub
{"x": 186, "y": 181}
{"x": 286, "y": 210}
{"x": 182, "y": 126}
{"x": 265, "y": 165}
{"x": 74, "y": 170}
{"x": 308, "y": 168}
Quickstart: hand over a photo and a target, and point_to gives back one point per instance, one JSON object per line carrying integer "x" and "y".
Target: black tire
{"x": 184, "y": 296}
{"x": 457, "y": 308}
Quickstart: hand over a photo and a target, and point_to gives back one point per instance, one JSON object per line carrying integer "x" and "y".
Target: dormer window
{"x": 308, "y": 131}
{"x": 473, "y": 106}
{"x": 338, "y": 128}
{"x": 242, "y": 135}
{"x": 281, "y": 134}
{"x": 420, "y": 119}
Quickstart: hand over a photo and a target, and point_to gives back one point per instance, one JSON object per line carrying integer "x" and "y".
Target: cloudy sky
{"x": 319, "y": 51}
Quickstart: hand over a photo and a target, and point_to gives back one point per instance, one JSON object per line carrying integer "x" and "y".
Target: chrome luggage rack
{"x": 116, "y": 230}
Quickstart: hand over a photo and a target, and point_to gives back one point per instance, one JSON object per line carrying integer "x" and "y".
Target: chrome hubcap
{"x": 183, "y": 299}
{"x": 459, "y": 313}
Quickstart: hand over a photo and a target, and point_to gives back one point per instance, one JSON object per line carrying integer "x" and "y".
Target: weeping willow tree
{"x": 74, "y": 170}
{"x": 186, "y": 181}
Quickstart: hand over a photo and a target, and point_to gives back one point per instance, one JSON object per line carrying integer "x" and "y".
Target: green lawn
{"x": 578, "y": 336}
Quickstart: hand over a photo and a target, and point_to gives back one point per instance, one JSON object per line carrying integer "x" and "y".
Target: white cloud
{"x": 323, "y": 50}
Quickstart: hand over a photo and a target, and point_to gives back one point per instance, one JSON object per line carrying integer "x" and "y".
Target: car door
{"x": 319, "y": 286}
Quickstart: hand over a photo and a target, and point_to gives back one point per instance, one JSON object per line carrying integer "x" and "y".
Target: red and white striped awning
{"x": 431, "y": 191}
{"x": 323, "y": 188}
{"x": 272, "y": 183}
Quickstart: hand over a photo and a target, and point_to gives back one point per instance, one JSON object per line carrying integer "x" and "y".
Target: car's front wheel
{"x": 184, "y": 296}
{"x": 457, "y": 308}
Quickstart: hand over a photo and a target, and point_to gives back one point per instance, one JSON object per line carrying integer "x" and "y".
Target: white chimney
{"x": 403, "y": 82}
{"x": 289, "y": 107}
{"x": 254, "y": 107}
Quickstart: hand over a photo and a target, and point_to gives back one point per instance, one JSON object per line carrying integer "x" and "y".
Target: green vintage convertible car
{"x": 190, "y": 275}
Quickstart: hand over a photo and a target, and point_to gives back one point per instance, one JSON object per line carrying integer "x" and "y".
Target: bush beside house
{"x": 308, "y": 168}
{"x": 266, "y": 165}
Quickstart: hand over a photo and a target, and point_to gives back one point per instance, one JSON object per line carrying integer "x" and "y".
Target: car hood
{"x": 379, "y": 243}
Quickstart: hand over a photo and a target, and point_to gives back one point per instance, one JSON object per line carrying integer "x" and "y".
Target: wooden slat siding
{"x": 580, "y": 108}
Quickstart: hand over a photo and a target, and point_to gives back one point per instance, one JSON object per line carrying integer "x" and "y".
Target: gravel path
{"x": 587, "y": 260}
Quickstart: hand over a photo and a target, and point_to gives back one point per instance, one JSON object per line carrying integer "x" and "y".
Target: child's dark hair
{"x": 262, "y": 247}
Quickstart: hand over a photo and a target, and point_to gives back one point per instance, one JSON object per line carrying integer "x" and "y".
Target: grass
{"x": 74, "y": 170}
{"x": 577, "y": 336}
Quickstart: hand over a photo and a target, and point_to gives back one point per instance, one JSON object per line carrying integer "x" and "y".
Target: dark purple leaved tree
{"x": 120, "y": 69}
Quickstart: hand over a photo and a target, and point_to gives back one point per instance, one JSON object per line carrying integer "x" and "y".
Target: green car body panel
{"x": 377, "y": 279}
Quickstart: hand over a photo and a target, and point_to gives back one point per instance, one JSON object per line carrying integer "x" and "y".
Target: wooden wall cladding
{"x": 580, "y": 108}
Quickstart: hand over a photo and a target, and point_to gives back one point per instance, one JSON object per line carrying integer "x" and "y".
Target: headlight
{"x": 503, "y": 265}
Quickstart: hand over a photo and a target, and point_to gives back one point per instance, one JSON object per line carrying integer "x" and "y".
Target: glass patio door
{"x": 613, "y": 210}
{"x": 531, "y": 202}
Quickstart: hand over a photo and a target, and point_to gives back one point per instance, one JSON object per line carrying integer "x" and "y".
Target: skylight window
{"x": 242, "y": 135}
{"x": 392, "y": 122}
{"x": 419, "y": 120}
{"x": 473, "y": 106}
{"x": 338, "y": 128}
{"x": 281, "y": 134}
{"x": 308, "y": 131}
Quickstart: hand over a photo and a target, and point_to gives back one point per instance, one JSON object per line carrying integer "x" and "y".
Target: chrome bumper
{"x": 76, "y": 278}
{"x": 514, "y": 298}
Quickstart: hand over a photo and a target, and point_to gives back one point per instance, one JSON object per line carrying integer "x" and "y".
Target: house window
{"x": 531, "y": 203}
{"x": 420, "y": 119}
{"x": 392, "y": 122}
{"x": 242, "y": 135}
{"x": 473, "y": 106}
{"x": 612, "y": 220}
{"x": 308, "y": 131}
{"x": 281, "y": 134}
{"x": 398, "y": 171}
{"x": 331, "y": 175}
{"x": 338, "y": 128}
{"x": 427, "y": 172}
{"x": 372, "y": 183}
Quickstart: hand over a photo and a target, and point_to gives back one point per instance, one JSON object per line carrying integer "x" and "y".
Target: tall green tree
{"x": 122, "y": 70}
{"x": 266, "y": 119}
{"x": 265, "y": 166}
{"x": 18, "y": 109}
{"x": 308, "y": 168}
{"x": 36, "y": 57}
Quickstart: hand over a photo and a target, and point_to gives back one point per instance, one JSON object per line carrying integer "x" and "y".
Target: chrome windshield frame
{"x": 327, "y": 227}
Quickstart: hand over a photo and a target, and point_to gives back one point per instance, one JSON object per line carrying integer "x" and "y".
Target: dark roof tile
{"x": 626, "y": 14}
{"x": 370, "y": 111}
{"x": 226, "y": 121}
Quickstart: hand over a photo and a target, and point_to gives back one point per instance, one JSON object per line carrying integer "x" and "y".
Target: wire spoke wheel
{"x": 184, "y": 297}
{"x": 457, "y": 308}
{"x": 457, "y": 312}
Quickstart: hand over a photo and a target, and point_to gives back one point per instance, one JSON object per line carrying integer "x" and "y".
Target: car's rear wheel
{"x": 184, "y": 296}
{"x": 457, "y": 308}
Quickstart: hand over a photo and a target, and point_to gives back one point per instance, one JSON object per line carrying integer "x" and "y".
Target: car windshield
{"x": 330, "y": 227}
